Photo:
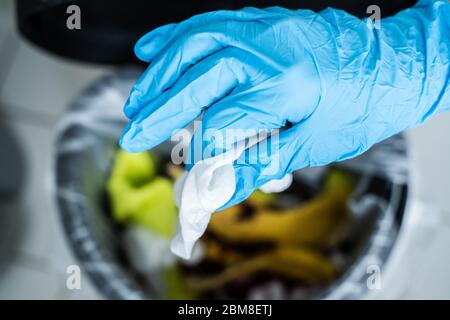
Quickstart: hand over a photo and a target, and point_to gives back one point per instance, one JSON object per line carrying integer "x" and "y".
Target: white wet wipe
{"x": 277, "y": 185}
{"x": 209, "y": 185}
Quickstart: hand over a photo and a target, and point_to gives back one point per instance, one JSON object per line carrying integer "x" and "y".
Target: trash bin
{"x": 85, "y": 148}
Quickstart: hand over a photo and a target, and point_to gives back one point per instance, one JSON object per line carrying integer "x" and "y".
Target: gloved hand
{"x": 342, "y": 85}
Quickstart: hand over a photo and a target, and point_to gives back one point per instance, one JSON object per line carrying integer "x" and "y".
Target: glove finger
{"x": 152, "y": 43}
{"x": 185, "y": 52}
{"x": 165, "y": 70}
{"x": 266, "y": 105}
{"x": 235, "y": 118}
{"x": 271, "y": 159}
{"x": 199, "y": 87}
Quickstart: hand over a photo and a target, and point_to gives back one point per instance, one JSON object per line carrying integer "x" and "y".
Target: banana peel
{"x": 318, "y": 223}
{"x": 214, "y": 251}
{"x": 293, "y": 262}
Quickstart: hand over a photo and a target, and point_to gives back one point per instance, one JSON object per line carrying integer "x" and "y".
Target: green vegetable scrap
{"x": 139, "y": 195}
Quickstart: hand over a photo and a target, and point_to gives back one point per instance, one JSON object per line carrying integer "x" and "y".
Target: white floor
{"x": 35, "y": 90}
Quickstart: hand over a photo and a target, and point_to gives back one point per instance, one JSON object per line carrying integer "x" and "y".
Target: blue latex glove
{"x": 343, "y": 86}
